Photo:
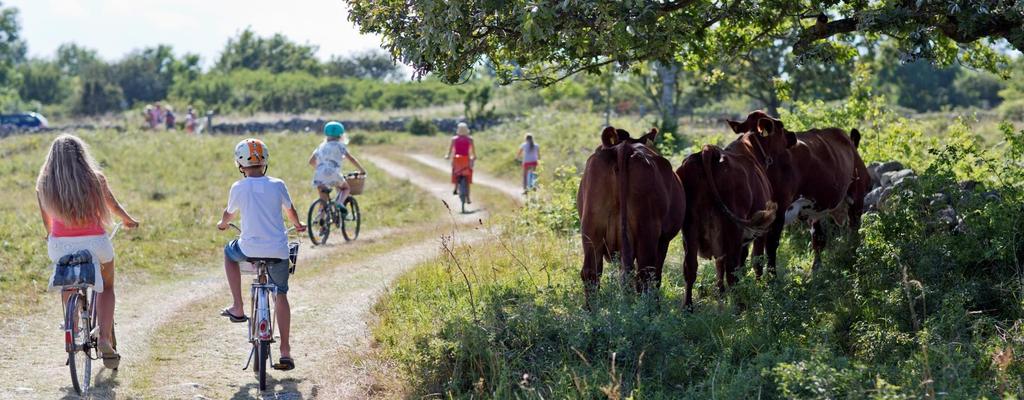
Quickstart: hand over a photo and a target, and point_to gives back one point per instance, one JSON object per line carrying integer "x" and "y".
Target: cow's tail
{"x": 626, "y": 252}
{"x": 855, "y": 136}
{"x": 764, "y": 218}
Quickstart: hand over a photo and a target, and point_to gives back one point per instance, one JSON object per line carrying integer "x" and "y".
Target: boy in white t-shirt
{"x": 260, "y": 198}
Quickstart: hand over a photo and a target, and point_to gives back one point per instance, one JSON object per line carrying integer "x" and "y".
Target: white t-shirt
{"x": 260, "y": 200}
{"x": 530, "y": 155}
{"x": 329, "y": 156}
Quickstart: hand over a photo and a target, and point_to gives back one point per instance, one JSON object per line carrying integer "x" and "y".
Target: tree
{"x": 145, "y": 75}
{"x": 72, "y": 58}
{"x": 366, "y": 65}
{"x": 546, "y": 41}
{"x": 276, "y": 53}
{"x": 43, "y": 81}
{"x": 12, "y": 52}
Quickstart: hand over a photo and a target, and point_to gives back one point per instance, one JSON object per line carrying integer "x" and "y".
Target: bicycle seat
{"x": 264, "y": 260}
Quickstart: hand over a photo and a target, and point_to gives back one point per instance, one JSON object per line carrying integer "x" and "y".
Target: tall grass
{"x": 176, "y": 186}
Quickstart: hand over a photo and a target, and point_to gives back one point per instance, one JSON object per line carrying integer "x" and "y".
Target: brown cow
{"x": 822, "y": 175}
{"x": 628, "y": 184}
{"x": 729, "y": 204}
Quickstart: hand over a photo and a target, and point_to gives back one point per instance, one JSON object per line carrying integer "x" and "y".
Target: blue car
{"x": 28, "y": 120}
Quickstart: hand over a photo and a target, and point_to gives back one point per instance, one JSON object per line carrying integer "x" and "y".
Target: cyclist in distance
{"x": 260, "y": 199}
{"x": 529, "y": 154}
{"x": 76, "y": 204}
{"x": 465, "y": 155}
{"x": 327, "y": 160}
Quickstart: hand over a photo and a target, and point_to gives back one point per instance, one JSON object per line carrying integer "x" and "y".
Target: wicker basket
{"x": 356, "y": 183}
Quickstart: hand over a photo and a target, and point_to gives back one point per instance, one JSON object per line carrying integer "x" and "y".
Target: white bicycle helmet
{"x": 251, "y": 153}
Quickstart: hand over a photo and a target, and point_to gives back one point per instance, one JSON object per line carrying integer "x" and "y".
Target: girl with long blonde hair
{"x": 76, "y": 205}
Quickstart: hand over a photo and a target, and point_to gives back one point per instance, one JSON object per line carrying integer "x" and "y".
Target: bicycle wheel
{"x": 77, "y": 326}
{"x": 350, "y": 224}
{"x": 262, "y": 354}
{"x": 463, "y": 192}
{"x": 318, "y": 222}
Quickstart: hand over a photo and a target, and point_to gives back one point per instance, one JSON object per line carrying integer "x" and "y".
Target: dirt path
{"x": 480, "y": 178}
{"x": 176, "y": 347}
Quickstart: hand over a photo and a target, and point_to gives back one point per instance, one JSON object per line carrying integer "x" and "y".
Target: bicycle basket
{"x": 77, "y": 269}
{"x": 356, "y": 183}
{"x": 293, "y": 256}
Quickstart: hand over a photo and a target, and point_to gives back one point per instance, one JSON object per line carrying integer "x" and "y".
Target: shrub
{"x": 421, "y": 127}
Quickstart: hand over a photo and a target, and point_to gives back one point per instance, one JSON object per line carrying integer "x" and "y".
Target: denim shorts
{"x": 278, "y": 272}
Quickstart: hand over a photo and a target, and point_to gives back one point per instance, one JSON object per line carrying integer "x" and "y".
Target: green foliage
{"x": 260, "y": 90}
{"x": 475, "y": 103}
{"x": 372, "y": 64}
{"x": 43, "y": 81}
{"x": 545, "y": 41}
{"x": 421, "y": 127}
{"x": 276, "y": 54}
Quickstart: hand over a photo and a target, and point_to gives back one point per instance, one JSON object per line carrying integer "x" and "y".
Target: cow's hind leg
{"x": 772, "y": 239}
{"x": 819, "y": 238}
{"x": 593, "y": 264}
{"x": 689, "y": 266}
{"x": 646, "y": 262}
{"x": 757, "y": 259}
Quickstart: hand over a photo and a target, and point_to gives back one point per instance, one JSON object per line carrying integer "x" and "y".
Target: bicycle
{"x": 342, "y": 214}
{"x": 531, "y": 180}
{"x": 262, "y": 298}
{"x": 81, "y": 331}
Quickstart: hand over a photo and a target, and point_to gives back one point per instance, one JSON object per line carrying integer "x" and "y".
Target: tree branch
{"x": 823, "y": 29}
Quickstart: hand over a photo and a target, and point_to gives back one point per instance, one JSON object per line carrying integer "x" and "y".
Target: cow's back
{"x": 824, "y": 162}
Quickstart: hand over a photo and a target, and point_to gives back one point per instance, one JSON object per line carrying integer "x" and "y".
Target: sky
{"x": 116, "y": 27}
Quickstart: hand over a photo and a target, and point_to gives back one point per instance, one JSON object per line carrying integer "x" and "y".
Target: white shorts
{"x": 328, "y": 178}
{"x": 99, "y": 245}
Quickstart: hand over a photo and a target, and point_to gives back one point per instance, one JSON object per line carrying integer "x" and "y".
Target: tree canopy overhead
{"x": 543, "y": 41}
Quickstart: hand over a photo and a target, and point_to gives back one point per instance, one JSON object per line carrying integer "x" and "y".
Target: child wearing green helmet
{"x": 326, "y": 161}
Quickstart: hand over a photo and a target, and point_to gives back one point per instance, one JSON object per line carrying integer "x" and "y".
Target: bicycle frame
{"x": 263, "y": 295}
{"x": 79, "y": 293}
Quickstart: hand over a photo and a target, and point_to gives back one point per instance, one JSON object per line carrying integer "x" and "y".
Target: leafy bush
{"x": 1012, "y": 110}
{"x": 421, "y": 127}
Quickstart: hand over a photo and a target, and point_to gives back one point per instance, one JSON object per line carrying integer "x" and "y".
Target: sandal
{"x": 285, "y": 364}
{"x": 111, "y": 360}
{"x": 234, "y": 318}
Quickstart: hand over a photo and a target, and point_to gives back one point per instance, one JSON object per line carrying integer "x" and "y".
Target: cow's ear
{"x": 609, "y": 137}
{"x": 766, "y": 126}
{"x": 738, "y": 127}
{"x": 651, "y": 137}
{"x": 623, "y": 134}
{"x": 790, "y": 139}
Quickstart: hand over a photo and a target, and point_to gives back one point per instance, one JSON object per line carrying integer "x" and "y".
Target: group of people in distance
{"x": 77, "y": 205}
{"x": 158, "y": 115}
{"x": 463, "y": 149}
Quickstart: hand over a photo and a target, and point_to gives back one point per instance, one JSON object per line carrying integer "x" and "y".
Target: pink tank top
{"x": 462, "y": 145}
{"x": 58, "y": 229}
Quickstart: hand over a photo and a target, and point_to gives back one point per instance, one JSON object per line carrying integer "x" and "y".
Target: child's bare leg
{"x": 323, "y": 194}
{"x": 105, "y": 302}
{"x": 284, "y": 321}
{"x": 235, "y": 283}
{"x": 344, "y": 189}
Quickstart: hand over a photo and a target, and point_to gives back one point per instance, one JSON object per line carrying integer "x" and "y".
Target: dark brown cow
{"x": 629, "y": 203}
{"x": 729, "y": 204}
{"x": 822, "y": 175}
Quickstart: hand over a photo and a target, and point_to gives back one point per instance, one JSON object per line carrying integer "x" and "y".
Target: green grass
{"x": 177, "y": 187}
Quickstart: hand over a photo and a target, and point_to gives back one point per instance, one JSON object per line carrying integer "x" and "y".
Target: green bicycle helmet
{"x": 334, "y": 129}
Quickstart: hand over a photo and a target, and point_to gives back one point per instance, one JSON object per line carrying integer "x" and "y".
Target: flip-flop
{"x": 234, "y": 318}
{"x": 111, "y": 359}
{"x": 285, "y": 364}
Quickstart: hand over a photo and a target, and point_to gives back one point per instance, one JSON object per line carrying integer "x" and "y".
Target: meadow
{"x": 918, "y": 310}
{"x": 177, "y": 186}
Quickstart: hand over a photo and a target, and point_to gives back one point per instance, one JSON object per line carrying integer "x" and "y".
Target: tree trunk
{"x": 668, "y": 74}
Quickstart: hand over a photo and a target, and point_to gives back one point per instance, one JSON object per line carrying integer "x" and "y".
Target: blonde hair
{"x": 70, "y": 184}
{"x": 462, "y": 129}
